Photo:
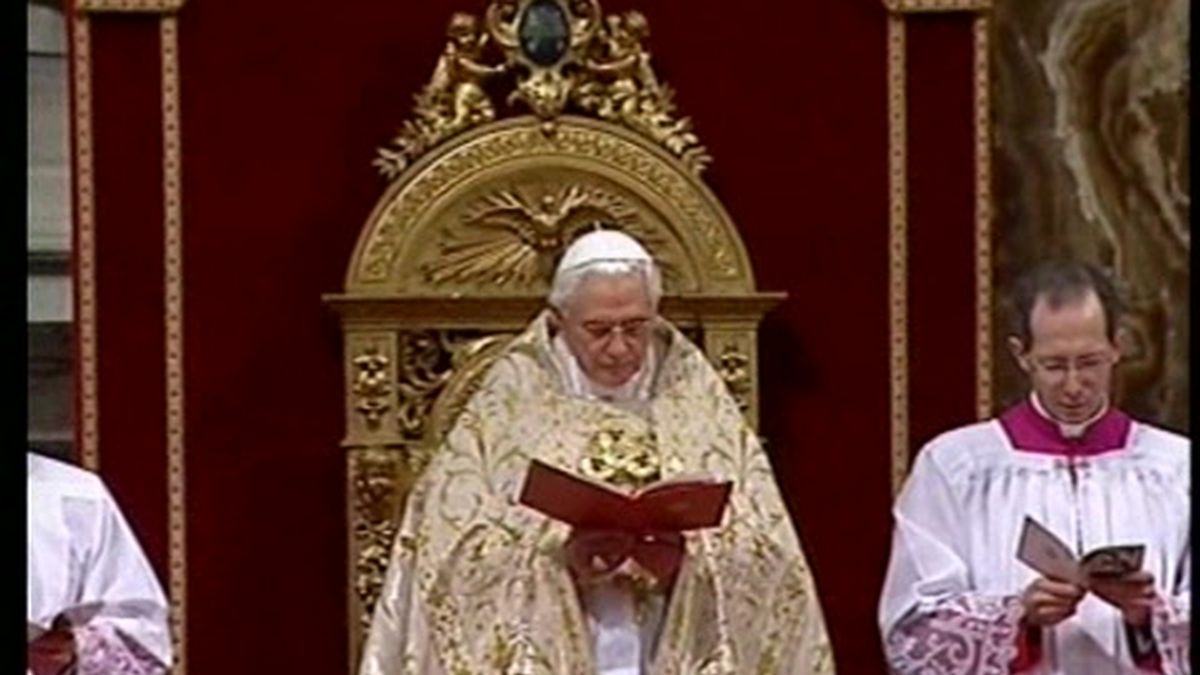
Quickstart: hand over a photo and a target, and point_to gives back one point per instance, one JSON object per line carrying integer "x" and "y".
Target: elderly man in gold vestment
{"x": 597, "y": 385}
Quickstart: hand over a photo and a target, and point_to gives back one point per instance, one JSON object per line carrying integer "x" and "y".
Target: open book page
{"x": 1039, "y": 548}
{"x": 573, "y": 499}
{"x": 676, "y": 504}
{"x": 680, "y": 479}
{"x": 1112, "y": 561}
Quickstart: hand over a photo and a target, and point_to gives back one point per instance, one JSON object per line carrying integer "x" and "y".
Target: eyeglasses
{"x": 1086, "y": 367}
{"x": 633, "y": 329}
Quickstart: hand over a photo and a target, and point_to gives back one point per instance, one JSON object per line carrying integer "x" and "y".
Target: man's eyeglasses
{"x": 1086, "y": 367}
{"x": 634, "y": 329}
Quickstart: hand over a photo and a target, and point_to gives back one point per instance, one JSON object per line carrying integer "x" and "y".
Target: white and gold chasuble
{"x": 479, "y": 584}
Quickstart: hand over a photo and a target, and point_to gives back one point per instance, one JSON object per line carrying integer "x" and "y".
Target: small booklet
{"x": 674, "y": 505}
{"x": 1048, "y": 554}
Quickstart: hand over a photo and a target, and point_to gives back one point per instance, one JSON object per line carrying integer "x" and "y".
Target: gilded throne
{"x": 541, "y": 119}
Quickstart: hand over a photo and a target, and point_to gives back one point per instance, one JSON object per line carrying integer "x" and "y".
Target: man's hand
{"x": 1132, "y": 594}
{"x": 1047, "y": 601}
{"x": 659, "y": 554}
{"x": 52, "y": 652}
{"x": 599, "y": 555}
{"x": 596, "y": 555}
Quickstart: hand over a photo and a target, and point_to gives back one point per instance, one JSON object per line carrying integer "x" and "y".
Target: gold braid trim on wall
{"x": 173, "y": 248}
{"x": 983, "y": 220}
{"x": 85, "y": 245}
{"x": 917, "y": 6}
{"x": 116, "y": 6}
{"x": 898, "y": 247}
{"x": 86, "y": 285}
{"x": 898, "y": 217}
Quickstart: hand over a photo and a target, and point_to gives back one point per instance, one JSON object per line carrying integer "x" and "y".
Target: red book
{"x": 674, "y": 505}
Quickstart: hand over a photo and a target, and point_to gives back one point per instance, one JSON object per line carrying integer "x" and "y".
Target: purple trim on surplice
{"x": 1029, "y": 431}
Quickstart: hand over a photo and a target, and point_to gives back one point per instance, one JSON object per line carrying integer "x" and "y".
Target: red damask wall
{"x": 283, "y": 104}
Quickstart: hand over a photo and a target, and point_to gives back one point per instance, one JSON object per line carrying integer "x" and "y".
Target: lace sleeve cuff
{"x": 967, "y": 634}
{"x": 104, "y": 650}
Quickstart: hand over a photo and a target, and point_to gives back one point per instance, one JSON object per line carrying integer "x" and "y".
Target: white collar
{"x": 1067, "y": 429}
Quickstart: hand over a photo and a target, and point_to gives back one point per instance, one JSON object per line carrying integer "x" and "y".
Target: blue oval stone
{"x": 543, "y": 32}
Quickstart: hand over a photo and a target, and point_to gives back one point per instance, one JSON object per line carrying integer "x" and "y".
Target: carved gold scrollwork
{"x": 437, "y": 373}
{"x": 545, "y": 90}
{"x": 423, "y": 370}
{"x": 615, "y": 161}
{"x": 603, "y": 71}
{"x": 371, "y": 387}
{"x": 733, "y": 365}
{"x": 375, "y": 491}
{"x": 514, "y": 236}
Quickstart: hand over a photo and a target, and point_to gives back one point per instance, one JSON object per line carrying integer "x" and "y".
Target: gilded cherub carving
{"x": 454, "y": 99}
{"x": 457, "y": 79}
{"x": 603, "y": 70}
{"x": 622, "y": 87}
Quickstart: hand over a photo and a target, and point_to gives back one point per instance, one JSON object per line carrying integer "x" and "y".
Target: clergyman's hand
{"x": 1133, "y": 594}
{"x": 1047, "y": 601}
{"x": 596, "y": 555}
{"x": 52, "y": 652}
{"x": 659, "y": 555}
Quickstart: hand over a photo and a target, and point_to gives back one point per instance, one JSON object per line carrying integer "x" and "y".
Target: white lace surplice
{"x": 950, "y": 601}
{"x": 82, "y": 554}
